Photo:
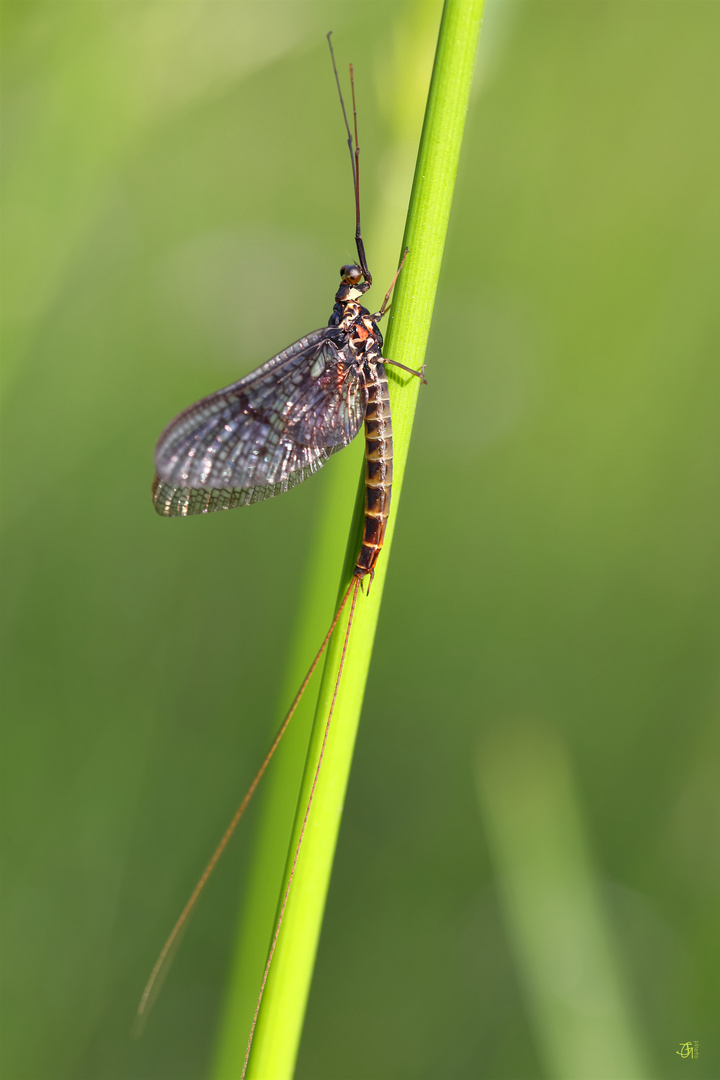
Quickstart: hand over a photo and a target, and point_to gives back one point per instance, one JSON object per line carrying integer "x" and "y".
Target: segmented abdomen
{"x": 378, "y": 469}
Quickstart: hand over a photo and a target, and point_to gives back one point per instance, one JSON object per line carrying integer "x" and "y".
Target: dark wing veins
{"x": 263, "y": 434}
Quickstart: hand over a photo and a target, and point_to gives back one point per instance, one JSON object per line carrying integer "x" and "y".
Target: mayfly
{"x": 268, "y": 432}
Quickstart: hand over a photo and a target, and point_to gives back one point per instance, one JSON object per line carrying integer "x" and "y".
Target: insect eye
{"x": 351, "y": 273}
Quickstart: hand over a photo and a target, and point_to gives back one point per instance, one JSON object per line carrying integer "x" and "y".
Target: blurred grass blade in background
{"x": 567, "y": 959}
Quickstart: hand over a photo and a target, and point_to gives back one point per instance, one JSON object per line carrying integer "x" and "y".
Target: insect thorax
{"x": 360, "y": 330}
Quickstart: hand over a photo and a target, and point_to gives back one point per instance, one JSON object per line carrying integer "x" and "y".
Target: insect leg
{"x": 420, "y": 374}
{"x": 385, "y": 302}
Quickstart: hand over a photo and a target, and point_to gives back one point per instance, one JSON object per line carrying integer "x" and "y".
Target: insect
{"x": 270, "y": 431}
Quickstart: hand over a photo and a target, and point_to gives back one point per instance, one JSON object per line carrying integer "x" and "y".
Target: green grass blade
{"x": 281, "y": 1016}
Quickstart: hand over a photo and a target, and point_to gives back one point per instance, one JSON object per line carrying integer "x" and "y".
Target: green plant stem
{"x": 281, "y": 1015}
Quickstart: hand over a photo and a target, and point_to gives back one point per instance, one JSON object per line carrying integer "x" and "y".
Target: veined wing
{"x": 263, "y": 434}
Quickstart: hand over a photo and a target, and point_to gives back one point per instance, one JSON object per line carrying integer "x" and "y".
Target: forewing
{"x": 263, "y": 434}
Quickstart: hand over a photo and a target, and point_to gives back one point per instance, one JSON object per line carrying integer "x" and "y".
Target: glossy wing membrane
{"x": 263, "y": 434}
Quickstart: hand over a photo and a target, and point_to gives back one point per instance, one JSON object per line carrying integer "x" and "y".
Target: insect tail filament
{"x": 354, "y": 586}
{"x": 167, "y": 952}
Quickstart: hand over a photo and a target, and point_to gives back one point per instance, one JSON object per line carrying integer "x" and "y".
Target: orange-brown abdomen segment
{"x": 378, "y": 469}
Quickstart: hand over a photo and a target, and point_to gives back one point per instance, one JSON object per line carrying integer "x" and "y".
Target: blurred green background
{"x": 176, "y": 203}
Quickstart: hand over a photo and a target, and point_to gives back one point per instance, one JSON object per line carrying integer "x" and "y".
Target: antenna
{"x": 354, "y": 150}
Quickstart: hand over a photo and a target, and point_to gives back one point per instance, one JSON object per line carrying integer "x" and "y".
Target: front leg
{"x": 418, "y": 374}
